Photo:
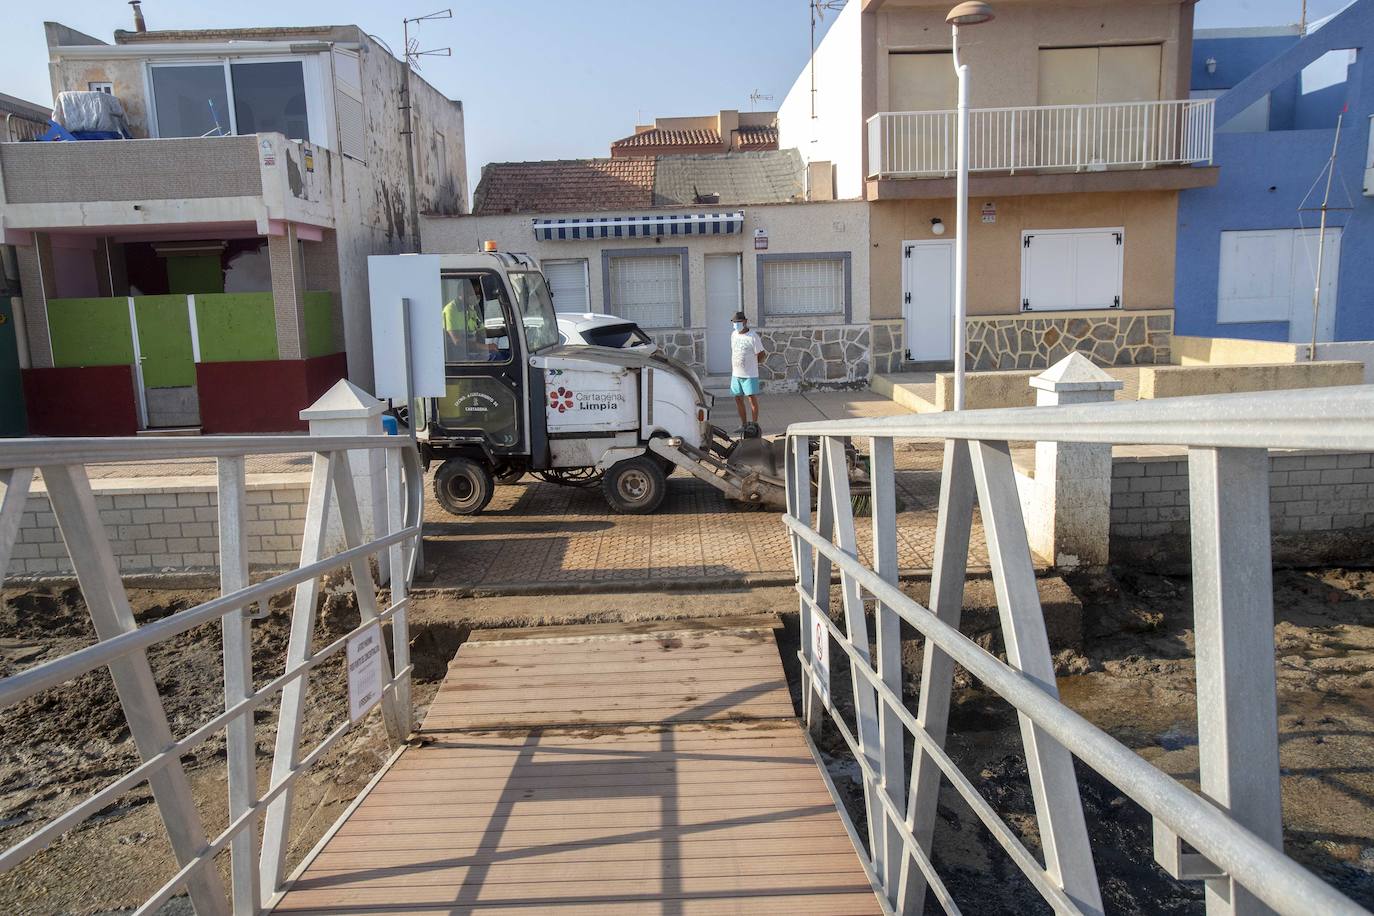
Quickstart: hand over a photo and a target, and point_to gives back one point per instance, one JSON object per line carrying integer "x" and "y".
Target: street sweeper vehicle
{"x": 515, "y": 401}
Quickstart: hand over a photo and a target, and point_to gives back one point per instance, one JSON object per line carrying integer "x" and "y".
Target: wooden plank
{"x": 558, "y": 893}
{"x": 616, "y": 797}
{"x": 704, "y": 846}
{"x": 712, "y": 625}
{"x": 820, "y": 823}
{"x": 573, "y": 873}
{"x": 850, "y": 904}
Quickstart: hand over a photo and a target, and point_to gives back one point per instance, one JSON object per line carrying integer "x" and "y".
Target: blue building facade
{"x": 1246, "y": 248}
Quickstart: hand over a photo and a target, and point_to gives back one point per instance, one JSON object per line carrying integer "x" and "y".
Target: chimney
{"x": 139, "y": 24}
{"x": 727, "y": 122}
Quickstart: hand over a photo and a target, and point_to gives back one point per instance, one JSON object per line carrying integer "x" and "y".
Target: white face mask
{"x": 739, "y": 325}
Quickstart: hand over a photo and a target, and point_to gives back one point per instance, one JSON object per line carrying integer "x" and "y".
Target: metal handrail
{"x": 256, "y": 877}
{"x": 1093, "y": 136}
{"x": 1234, "y": 826}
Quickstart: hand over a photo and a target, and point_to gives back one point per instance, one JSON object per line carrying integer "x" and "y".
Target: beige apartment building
{"x": 1081, "y": 136}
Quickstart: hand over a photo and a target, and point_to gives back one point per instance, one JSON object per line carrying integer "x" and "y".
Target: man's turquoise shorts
{"x": 740, "y": 387}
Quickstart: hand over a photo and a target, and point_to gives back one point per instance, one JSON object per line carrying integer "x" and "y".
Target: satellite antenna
{"x": 755, "y": 97}
{"x": 818, "y": 8}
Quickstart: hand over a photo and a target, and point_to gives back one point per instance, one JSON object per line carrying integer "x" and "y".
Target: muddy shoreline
{"x": 1123, "y": 651}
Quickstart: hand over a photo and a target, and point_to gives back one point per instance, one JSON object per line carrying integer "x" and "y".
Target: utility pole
{"x": 411, "y": 59}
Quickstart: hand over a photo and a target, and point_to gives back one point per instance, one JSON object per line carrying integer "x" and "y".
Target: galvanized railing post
{"x": 803, "y": 560}
{"x": 97, "y": 573}
{"x": 1233, "y": 608}
{"x": 276, "y": 833}
{"x": 953, "y": 527}
{"x": 397, "y": 486}
{"x": 240, "y": 742}
{"x": 17, "y": 483}
{"x": 891, "y": 735}
{"x": 1054, "y": 786}
{"x": 856, "y": 630}
{"x": 365, "y": 589}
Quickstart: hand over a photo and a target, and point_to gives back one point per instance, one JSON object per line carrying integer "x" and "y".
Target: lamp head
{"x": 972, "y": 12}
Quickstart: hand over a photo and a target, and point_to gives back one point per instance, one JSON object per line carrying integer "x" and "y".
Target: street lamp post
{"x": 970, "y": 13}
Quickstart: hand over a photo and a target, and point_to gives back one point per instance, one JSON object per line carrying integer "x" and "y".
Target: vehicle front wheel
{"x": 635, "y": 486}
{"x": 463, "y": 487}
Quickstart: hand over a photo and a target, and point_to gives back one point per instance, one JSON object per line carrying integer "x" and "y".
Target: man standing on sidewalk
{"x": 746, "y": 353}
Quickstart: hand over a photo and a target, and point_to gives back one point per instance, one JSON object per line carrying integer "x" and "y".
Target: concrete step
{"x": 913, "y": 390}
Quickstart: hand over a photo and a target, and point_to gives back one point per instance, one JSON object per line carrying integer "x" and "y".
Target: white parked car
{"x": 597, "y": 330}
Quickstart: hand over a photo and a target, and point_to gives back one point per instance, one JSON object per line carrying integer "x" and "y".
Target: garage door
{"x": 1070, "y": 269}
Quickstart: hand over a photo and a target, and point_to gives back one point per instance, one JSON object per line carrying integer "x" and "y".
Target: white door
{"x": 928, "y": 299}
{"x": 568, "y": 283}
{"x": 1304, "y": 280}
{"x": 1267, "y": 275}
{"x": 722, "y": 301}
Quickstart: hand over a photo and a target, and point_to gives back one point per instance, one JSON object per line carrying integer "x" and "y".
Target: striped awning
{"x": 628, "y": 227}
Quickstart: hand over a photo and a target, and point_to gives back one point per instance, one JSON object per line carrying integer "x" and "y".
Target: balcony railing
{"x": 921, "y": 144}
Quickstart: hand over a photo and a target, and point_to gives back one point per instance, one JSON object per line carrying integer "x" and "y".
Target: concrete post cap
{"x": 345, "y": 401}
{"x": 1075, "y": 372}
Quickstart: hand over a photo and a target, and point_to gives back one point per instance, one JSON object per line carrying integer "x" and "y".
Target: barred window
{"x": 804, "y": 287}
{"x": 647, "y": 290}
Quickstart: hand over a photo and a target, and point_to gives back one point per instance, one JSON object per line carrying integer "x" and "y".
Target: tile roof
{"x": 565, "y": 185}
{"x": 639, "y": 183}
{"x": 763, "y": 177}
{"x": 758, "y": 138}
{"x": 661, "y": 137}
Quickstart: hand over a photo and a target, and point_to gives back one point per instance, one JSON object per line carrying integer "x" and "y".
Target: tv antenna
{"x": 755, "y": 97}
{"x": 412, "y": 45}
{"x": 818, "y": 10}
{"x": 411, "y": 49}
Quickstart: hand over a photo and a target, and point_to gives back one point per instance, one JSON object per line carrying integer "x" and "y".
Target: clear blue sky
{"x": 542, "y": 79}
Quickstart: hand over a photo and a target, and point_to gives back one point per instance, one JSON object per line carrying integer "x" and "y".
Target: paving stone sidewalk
{"x": 540, "y": 536}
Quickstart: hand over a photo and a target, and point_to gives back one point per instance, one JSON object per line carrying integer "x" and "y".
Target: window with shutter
{"x": 647, "y": 289}
{"x": 1071, "y": 269}
{"x": 568, "y": 282}
{"x": 814, "y": 286}
{"x": 348, "y": 104}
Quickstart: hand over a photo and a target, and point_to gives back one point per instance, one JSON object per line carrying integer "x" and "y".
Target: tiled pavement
{"x": 539, "y": 536}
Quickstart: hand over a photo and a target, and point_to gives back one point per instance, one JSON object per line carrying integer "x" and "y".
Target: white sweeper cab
{"x": 515, "y": 401}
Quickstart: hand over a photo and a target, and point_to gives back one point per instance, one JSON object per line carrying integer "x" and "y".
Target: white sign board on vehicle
{"x": 414, "y": 277}
{"x": 820, "y": 655}
{"x": 364, "y": 653}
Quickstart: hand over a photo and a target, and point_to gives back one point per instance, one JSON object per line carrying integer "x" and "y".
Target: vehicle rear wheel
{"x": 463, "y": 487}
{"x": 635, "y": 486}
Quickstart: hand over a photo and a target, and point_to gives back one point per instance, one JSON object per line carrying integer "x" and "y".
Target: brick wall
{"x": 1308, "y": 492}
{"x": 160, "y": 529}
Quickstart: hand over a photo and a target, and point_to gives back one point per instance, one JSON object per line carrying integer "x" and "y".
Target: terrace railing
{"x": 256, "y": 872}
{"x": 1233, "y": 830}
{"x": 921, "y": 144}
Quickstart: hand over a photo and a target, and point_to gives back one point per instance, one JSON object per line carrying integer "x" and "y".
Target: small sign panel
{"x": 364, "y": 671}
{"x": 392, "y": 278}
{"x": 760, "y": 239}
{"x": 820, "y": 655}
{"x": 989, "y": 212}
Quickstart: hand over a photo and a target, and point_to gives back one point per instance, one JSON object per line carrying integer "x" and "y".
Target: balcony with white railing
{"x": 1044, "y": 138}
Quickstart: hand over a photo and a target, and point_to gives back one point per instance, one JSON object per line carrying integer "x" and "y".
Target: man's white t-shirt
{"x": 745, "y": 347}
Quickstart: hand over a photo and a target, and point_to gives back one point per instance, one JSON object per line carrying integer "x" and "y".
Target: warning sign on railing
{"x": 364, "y": 671}
{"x": 820, "y": 654}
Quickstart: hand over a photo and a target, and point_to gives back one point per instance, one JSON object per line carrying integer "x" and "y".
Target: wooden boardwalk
{"x": 601, "y": 769}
